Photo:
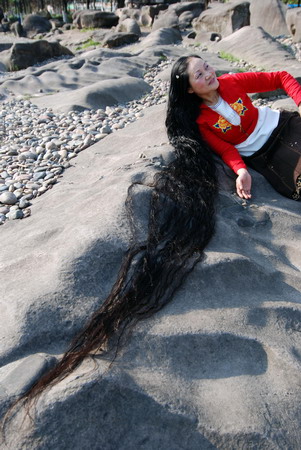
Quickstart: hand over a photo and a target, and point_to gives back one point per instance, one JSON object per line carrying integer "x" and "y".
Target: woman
{"x": 264, "y": 139}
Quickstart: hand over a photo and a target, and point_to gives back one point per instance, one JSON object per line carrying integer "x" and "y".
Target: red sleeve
{"x": 226, "y": 151}
{"x": 252, "y": 82}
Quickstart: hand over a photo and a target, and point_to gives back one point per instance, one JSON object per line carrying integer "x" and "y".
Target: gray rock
{"x": 24, "y": 54}
{"x": 17, "y": 29}
{"x": 34, "y": 24}
{"x": 27, "y": 155}
{"x": 166, "y": 19}
{"x": 270, "y": 15}
{"x": 117, "y": 39}
{"x": 98, "y": 95}
{"x": 200, "y": 374}
{"x": 4, "y": 209}
{"x": 129, "y": 25}
{"x": 15, "y": 214}
{"x": 163, "y": 36}
{"x": 194, "y": 7}
{"x": 293, "y": 21}
{"x": 95, "y": 19}
{"x": 38, "y": 176}
{"x": 28, "y": 371}
{"x": 23, "y": 203}
{"x": 262, "y": 51}
{"x": 8, "y": 198}
{"x": 224, "y": 18}
{"x": 185, "y": 19}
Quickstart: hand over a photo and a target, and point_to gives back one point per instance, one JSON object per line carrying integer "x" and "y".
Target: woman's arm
{"x": 252, "y": 82}
{"x": 232, "y": 158}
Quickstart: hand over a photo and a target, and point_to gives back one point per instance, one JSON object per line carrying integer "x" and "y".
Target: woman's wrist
{"x": 242, "y": 171}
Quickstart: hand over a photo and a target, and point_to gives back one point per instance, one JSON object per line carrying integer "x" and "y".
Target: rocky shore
{"x": 37, "y": 145}
{"x": 81, "y": 139}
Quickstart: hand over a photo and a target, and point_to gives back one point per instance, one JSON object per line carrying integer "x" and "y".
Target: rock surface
{"x": 219, "y": 367}
{"x": 224, "y": 18}
{"x": 207, "y": 371}
{"x": 25, "y": 54}
{"x": 95, "y": 19}
{"x": 118, "y": 39}
{"x": 293, "y": 21}
{"x": 270, "y": 15}
{"x": 34, "y": 24}
{"x": 263, "y": 50}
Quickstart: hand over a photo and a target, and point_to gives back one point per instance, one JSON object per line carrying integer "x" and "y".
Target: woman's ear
{"x": 190, "y": 90}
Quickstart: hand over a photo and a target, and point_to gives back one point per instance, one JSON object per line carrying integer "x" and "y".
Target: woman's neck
{"x": 211, "y": 99}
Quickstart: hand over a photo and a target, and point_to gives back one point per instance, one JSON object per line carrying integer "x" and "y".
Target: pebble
{"x": 8, "y": 198}
{"x": 37, "y": 144}
{"x": 15, "y": 214}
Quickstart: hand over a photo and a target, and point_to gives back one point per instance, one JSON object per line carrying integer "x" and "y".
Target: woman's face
{"x": 202, "y": 78}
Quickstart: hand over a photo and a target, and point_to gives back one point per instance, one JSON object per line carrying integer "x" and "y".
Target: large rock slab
{"x": 34, "y": 24}
{"x": 187, "y": 11}
{"x": 208, "y": 370}
{"x": 98, "y": 95}
{"x": 76, "y": 73}
{"x": 117, "y": 39}
{"x": 293, "y": 21}
{"x": 95, "y": 19}
{"x": 25, "y": 54}
{"x": 166, "y": 19}
{"x": 224, "y": 18}
{"x": 162, "y": 36}
{"x": 270, "y": 15}
{"x": 129, "y": 25}
{"x": 262, "y": 50}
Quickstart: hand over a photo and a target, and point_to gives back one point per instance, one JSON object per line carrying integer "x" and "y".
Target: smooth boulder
{"x": 293, "y": 21}
{"x": 166, "y": 19}
{"x": 24, "y": 54}
{"x": 35, "y": 24}
{"x": 163, "y": 36}
{"x": 95, "y": 19}
{"x": 129, "y": 25}
{"x": 98, "y": 95}
{"x": 224, "y": 18}
{"x": 270, "y": 15}
{"x": 263, "y": 51}
{"x": 118, "y": 39}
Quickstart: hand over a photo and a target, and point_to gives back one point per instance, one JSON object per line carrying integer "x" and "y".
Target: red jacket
{"x": 221, "y": 135}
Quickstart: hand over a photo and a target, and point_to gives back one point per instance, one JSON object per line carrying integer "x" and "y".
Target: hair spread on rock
{"x": 181, "y": 223}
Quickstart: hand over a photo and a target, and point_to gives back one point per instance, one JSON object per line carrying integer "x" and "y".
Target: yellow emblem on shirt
{"x": 222, "y": 124}
{"x": 239, "y": 107}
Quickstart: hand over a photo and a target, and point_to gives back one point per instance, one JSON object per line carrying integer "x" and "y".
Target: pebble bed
{"x": 36, "y": 145}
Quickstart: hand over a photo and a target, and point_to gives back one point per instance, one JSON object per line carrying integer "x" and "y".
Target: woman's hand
{"x": 243, "y": 184}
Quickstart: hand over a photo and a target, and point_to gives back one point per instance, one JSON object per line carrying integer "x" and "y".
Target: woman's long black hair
{"x": 181, "y": 223}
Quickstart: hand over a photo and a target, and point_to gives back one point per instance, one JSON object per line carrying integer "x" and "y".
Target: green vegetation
{"x": 87, "y": 44}
{"x": 291, "y": 2}
{"x": 228, "y": 57}
{"x": 163, "y": 57}
{"x": 13, "y": 68}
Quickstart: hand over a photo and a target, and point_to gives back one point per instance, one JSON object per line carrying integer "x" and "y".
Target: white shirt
{"x": 267, "y": 121}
